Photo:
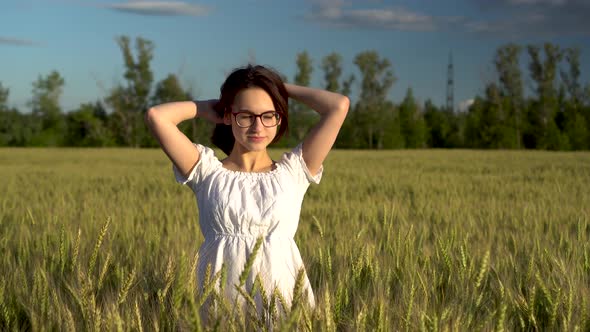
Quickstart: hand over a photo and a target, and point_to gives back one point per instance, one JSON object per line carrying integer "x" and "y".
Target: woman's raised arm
{"x": 163, "y": 121}
{"x": 332, "y": 108}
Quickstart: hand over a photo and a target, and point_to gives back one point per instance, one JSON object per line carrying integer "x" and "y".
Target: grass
{"x": 95, "y": 239}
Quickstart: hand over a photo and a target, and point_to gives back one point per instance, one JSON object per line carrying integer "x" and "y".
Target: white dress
{"x": 235, "y": 208}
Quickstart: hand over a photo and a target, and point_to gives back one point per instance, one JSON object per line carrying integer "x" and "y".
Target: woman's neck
{"x": 248, "y": 161}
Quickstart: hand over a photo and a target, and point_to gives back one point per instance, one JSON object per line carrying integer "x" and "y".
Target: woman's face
{"x": 257, "y": 136}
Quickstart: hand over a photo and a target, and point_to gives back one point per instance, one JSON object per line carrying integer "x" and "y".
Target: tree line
{"x": 554, "y": 115}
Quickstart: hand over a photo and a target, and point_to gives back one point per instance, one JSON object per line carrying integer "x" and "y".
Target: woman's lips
{"x": 256, "y": 139}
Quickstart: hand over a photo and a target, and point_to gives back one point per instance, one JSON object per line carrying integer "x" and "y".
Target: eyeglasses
{"x": 247, "y": 119}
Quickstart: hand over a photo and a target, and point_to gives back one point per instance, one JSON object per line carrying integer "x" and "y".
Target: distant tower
{"x": 450, "y": 87}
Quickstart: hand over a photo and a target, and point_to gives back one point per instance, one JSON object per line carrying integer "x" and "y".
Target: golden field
{"x": 105, "y": 239}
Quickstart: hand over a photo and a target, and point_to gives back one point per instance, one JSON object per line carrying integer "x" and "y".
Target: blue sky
{"x": 202, "y": 40}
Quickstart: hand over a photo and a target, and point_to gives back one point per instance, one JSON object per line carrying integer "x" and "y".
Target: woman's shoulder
{"x": 293, "y": 161}
{"x": 206, "y": 153}
{"x": 293, "y": 153}
{"x": 206, "y": 164}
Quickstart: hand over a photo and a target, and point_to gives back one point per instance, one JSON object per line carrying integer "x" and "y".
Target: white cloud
{"x": 539, "y": 18}
{"x": 332, "y": 12}
{"x": 160, "y": 8}
{"x": 533, "y": 23}
{"x": 393, "y": 18}
{"x": 465, "y": 104}
{"x": 538, "y": 2}
{"x": 514, "y": 19}
{"x": 17, "y": 42}
{"x": 529, "y": 3}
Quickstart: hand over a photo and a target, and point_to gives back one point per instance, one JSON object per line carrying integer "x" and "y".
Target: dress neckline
{"x": 277, "y": 166}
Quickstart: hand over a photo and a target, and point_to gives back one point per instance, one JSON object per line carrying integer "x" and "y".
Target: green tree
{"x": 571, "y": 76}
{"x": 472, "y": 123}
{"x": 332, "y": 68}
{"x": 304, "y": 69}
{"x": 347, "y": 85}
{"x": 47, "y": 92}
{"x": 170, "y": 89}
{"x": 6, "y": 119}
{"x": 485, "y": 123}
{"x": 437, "y": 126}
{"x": 585, "y": 109}
{"x": 393, "y": 137}
{"x": 87, "y": 126}
{"x": 575, "y": 125}
{"x": 130, "y": 101}
{"x": 456, "y": 136}
{"x": 411, "y": 122}
{"x": 542, "y": 132}
{"x": 301, "y": 118}
{"x": 492, "y": 119}
{"x": 16, "y": 129}
{"x": 4, "y": 92}
{"x": 46, "y": 110}
{"x": 511, "y": 91}
{"x": 371, "y": 110}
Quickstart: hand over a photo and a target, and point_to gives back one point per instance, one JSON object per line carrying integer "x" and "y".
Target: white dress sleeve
{"x": 296, "y": 165}
{"x": 201, "y": 169}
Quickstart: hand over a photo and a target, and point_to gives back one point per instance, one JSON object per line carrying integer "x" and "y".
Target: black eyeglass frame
{"x": 276, "y": 114}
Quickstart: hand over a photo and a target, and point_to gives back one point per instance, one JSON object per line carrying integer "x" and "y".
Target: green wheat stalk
{"x": 99, "y": 240}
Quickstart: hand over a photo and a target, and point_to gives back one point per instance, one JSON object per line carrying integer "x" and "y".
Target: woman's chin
{"x": 255, "y": 146}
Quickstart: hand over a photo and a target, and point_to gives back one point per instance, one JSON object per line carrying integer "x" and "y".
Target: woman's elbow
{"x": 344, "y": 104}
{"x": 150, "y": 116}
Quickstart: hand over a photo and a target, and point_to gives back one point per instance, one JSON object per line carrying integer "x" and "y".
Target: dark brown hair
{"x": 249, "y": 77}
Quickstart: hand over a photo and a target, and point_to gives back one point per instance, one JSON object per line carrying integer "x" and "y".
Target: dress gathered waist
{"x": 268, "y": 236}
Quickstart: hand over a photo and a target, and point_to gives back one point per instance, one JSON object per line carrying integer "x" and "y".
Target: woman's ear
{"x": 227, "y": 119}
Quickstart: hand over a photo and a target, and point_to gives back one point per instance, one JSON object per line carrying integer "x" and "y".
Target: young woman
{"x": 248, "y": 195}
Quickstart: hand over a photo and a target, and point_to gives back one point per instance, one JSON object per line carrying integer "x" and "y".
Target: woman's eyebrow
{"x": 249, "y": 111}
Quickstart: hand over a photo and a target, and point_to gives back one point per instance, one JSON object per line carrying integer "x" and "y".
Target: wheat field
{"x": 430, "y": 240}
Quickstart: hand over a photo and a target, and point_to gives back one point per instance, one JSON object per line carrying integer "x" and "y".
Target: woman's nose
{"x": 257, "y": 123}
